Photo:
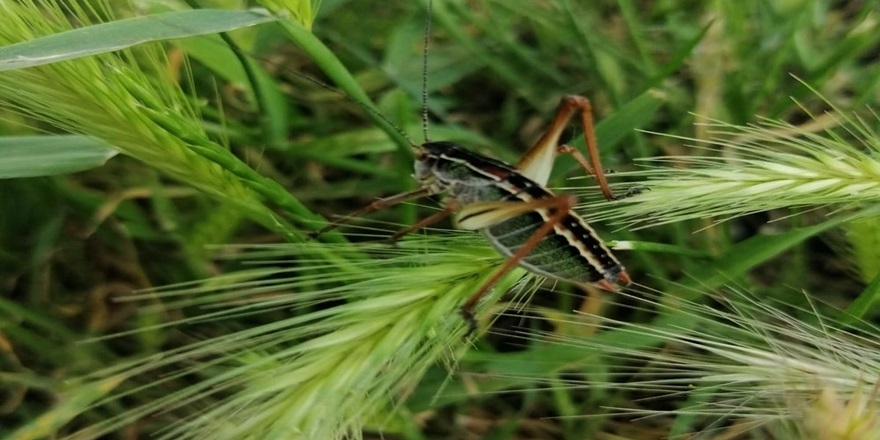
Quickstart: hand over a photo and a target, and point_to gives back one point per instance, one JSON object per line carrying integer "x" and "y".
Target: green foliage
{"x": 235, "y": 138}
{"x": 122, "y": 34}
{"x": 33, "y": 156}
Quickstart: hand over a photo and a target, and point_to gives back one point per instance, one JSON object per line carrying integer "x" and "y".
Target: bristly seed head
{"x": 760, "y": 167}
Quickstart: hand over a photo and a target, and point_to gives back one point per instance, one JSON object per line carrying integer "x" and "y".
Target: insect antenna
{"x": 427, "y": 40}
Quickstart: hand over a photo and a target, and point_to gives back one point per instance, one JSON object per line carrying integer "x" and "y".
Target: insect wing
{"x": 481, "y": 215}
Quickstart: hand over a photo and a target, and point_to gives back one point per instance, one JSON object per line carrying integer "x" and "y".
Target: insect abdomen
{"x": 555, "y": 256}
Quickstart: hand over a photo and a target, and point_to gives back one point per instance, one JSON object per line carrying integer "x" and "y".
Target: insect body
{"x": 570, "y": 252}
{"x": 524, "y": 221}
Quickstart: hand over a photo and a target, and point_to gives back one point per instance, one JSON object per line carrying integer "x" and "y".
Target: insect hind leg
{"x": 559, "y": 207}
{"x": 538, "y": 161}
{"x": 606, "y": 190}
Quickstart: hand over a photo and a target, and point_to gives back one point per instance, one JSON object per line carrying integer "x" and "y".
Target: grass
{"x": 171, "y": 292}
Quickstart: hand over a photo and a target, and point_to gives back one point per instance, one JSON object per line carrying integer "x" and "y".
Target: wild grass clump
{"x": 740, "y": 364}
{"x": 358, "y": 341}
{"x": 323, "y": 339}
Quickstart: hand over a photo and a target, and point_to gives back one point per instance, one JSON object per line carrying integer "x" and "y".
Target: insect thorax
{"x": 465, "y": 176}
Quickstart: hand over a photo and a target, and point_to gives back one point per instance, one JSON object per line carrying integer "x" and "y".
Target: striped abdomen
{"x": 565, "y": 254}
{"x": 571, "y": 252}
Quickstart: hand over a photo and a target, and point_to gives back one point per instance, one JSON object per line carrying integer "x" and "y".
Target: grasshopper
{"x": 511, "y": 206}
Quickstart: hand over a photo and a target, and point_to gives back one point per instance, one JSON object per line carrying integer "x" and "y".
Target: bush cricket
{"x": 527, "y": 223}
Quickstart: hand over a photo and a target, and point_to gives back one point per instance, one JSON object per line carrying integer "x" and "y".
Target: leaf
{"x": 748, "y": 254}
{"x": 33, "y": 156}
{"x": 866, "y": 302}
{"x": 633, "y": 115}
{"x": 121, "y": 34}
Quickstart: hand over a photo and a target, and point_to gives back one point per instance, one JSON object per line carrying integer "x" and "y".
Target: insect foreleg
{"x": 448, "y": 208}
{"x": 375, "y": 206}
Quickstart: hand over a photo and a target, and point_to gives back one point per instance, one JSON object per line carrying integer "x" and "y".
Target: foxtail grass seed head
{"x": 753, "y": 168}
{"x": 750, "y": 363}
{"x": 833, "y": 416}
{"x": 326, "y": 370}
{"x": 302, "y": 11}
{"x": 126, "y": 99}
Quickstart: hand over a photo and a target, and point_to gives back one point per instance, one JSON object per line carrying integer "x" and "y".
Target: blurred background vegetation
{"x": 74, "y": 246}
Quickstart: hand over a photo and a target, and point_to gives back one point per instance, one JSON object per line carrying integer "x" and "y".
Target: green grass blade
{"x": 633, "y": 115}
{"x": 331, "y": 65}
{"x": 121, "y": 34}
{"x": 744, "y": 256}
{"x": 33, "y": 156}
{"x": 866, "y": 302}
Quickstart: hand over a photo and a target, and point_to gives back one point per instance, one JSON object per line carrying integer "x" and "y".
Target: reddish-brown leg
{"x": 606, "y": 191}
{"x": 579, "y": 157}
{"x": 375, "y": 206}
{"x": 561, "y": 206}
{"x": 592, "y": 148}
{"x": 448, "y": 208}
{"x": 538, "y": 161}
